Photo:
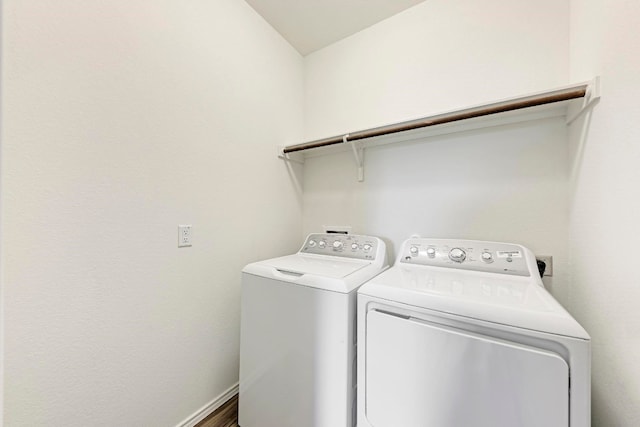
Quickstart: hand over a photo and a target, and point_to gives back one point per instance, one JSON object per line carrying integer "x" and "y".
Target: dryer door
{"x": 420, "y": 374}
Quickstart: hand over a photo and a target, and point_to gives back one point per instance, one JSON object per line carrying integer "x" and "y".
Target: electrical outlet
{"x": 184, "y": 235}
{"x": 548, "y": 260}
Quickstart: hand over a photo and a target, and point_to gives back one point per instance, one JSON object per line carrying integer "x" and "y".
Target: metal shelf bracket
{"x": 358, "y": 154}
{"x": 289, "y": 157}
{"x": 591, "y": 98}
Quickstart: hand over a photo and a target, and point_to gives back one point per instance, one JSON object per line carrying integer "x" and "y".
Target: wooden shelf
{"x": 569, "y": 101}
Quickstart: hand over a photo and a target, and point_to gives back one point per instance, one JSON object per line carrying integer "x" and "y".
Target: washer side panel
{"x": 294, "y": 359}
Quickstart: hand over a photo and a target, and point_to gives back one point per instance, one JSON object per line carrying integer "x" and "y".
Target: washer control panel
{"x": 343, "y": 245}
{"x": 490, "y": 257}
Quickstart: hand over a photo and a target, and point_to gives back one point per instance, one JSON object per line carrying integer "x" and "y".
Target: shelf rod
{"x": 559, "y": 95}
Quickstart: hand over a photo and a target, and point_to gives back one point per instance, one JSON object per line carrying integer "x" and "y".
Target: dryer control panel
{"x": 343, "y": 245}
{"x": 489, "y": 257}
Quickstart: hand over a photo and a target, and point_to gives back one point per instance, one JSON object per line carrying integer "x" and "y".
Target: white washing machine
{"x": 463, "y": 334}
{"x": 297, "y": 341}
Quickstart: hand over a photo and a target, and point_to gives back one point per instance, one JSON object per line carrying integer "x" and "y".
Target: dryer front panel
{"x": 421, "y": 374}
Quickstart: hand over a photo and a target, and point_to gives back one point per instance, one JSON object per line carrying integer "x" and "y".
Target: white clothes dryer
{"x": 462, "y": 333}
{"x": 298, "y": 337}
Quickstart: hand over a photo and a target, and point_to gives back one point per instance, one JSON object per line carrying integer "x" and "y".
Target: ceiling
{"x": 310, "y": 25}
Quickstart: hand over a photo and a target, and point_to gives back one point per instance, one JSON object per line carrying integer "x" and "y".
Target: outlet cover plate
{"x": 184, "y": 235}
{"x": 548, "y": 260}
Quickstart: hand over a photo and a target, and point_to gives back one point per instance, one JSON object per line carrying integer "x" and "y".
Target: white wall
{"x": 437, "y": 56}
{"x": 121, "y": 120}
{"x": 505, "y": 183}
{"x": 605, "y": 202}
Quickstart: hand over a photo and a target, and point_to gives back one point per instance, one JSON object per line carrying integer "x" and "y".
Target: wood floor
{"x": 224, "y": 416}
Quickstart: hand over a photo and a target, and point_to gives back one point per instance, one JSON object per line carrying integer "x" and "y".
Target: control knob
{"x": 322, "y": 244}
{"x": 337, "y": 244}
{"x": 414, "y": 250}
{"x": 312, "y": 243}
{"x": 354, "y": 246}
{"x": 457, "y": 255}
{"x": 487, "y": 257}
{"x": 367, "y": 247}
{"x": 431, "y": 252}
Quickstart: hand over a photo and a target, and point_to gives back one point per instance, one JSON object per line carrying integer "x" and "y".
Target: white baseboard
{"x": 207, "y": 409}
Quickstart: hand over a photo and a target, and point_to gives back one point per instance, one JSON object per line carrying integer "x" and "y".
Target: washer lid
{"x": 318, "y": 265}
{"x": 323, "y": 272}
{"x": 507, "y": 300}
